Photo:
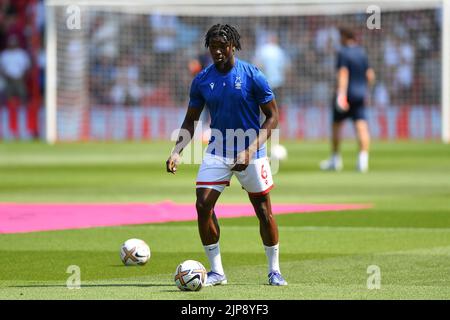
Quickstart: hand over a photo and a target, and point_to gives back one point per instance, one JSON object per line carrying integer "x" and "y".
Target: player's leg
{"x": 268, "y": 230}
{"x": 257, "y": 181}
{"x": 12, "y": 104}
{"x": 212, "y": 178}
{"x": 334, "y": 163}
{"x": 209, "y": 230}
{"x": 208, "y": 225}
{"x": 336, "y": 137}
{"x": 362, "y": 135}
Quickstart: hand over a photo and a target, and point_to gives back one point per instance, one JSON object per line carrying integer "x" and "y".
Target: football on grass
{"x": 190, "y": 275}
{"x": 134, "y": 252}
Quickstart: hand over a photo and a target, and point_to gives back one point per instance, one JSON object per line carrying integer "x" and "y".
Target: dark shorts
{"x": 16, "y": 88}
{"x": 357, "y": 111}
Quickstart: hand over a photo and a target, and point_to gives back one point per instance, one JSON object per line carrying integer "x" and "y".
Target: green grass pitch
{"x": 323, "y": 255}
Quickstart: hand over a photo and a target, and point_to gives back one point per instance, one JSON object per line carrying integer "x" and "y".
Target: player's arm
{"x": 370, "y": 76}
{"x": 184, "y": 137}
{"x": 270, "y": 110}
{"x": 342, "y": 80}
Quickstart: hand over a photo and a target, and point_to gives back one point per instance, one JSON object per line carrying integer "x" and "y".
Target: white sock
{"x": 363, "y": 161}
{"x": 272, "y": 258}
{"x": 336, "y": 158}
{"x": 213, "y": 253}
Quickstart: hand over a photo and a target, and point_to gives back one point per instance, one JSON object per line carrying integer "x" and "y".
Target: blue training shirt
{"x": 354, "y": 58}
{"x": 233, "y": 100}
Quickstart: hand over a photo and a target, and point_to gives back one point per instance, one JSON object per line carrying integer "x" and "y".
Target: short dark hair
{"x": 347, "y": 33}
{"x": 226, "y": 31}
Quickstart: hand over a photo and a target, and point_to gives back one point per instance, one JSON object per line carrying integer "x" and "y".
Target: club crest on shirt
{"x": 211, "y": 85}
{"x": 237, "y": 83}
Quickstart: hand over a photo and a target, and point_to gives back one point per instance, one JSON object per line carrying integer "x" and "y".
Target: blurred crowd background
{"x": 150, "y": 59}
{"x": 22, "y": 60}
{"x": 129, "y": 60}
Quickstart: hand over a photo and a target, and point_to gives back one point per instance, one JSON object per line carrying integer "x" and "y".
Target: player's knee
{"x": 264, "y": 215}
{"x": 204, "y": 208}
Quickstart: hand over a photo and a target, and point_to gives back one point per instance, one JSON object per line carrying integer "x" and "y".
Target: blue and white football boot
{"x": 215, "y": 279}
{"x": 276, "y": 279}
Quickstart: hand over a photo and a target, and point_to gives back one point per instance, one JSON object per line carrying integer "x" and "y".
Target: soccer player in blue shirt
{"x": 234, "y": 92}
{"x": 353, "y": 76}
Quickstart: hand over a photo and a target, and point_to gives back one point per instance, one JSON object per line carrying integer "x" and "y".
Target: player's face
{"x": 221, "y": 50}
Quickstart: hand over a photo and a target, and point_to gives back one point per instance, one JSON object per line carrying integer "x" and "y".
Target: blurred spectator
{"x": 381, "y": 97}
{"x": 126, "y": 89}
{"x": 15, "y": 26}
{"x": 74, "y": 66}
{"x": 165, "y": 29}
{"x": 404, "y": 53}
{"x": 102, "y": 77}
{"x": 326, "y": 36}
{"x": 105, "y": 37}
{"x": 14, "y": 64}
{"x": 199, "y": 63}
{"x": 41, "y": 61}
{"x": 160, "y": 95}
{"x": 404, "y": 75}
{"x": 40, "y": 16}
{"x": 391, "y": 52}
{"x": 403, "y": 78}
{"x": 274, "y": 63}
{"x": 431, "y": 75}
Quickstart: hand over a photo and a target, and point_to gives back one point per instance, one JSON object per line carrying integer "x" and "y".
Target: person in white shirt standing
{"x": 14, "y": 64}
{"x": 274, "y": 63}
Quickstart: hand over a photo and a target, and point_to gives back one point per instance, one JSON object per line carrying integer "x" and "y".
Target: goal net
{"x": 121, "y": 70}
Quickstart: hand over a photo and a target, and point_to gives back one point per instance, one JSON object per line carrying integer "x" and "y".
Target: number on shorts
{"x": 263, "y": 172}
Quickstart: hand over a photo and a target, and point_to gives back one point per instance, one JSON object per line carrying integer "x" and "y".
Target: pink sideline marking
{"x": 21, "y": 218}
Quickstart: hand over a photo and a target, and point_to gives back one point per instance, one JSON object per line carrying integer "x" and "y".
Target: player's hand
{"x": 342, "y": 102}
{"x": 242, "y": 161}
{"x": 172, "y": 163}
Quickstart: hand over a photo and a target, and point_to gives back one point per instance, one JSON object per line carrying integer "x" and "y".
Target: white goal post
{"x": 68, "y": 86}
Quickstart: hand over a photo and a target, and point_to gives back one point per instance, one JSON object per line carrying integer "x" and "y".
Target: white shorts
{"x": 215, "y": 173}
